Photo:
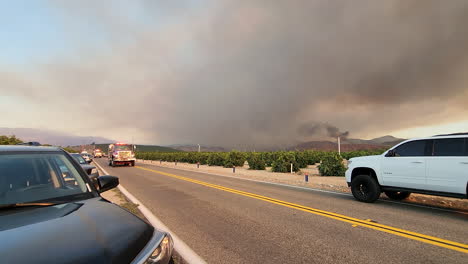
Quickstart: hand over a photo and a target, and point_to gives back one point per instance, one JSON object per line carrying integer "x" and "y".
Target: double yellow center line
{"x": 354, "y": 221}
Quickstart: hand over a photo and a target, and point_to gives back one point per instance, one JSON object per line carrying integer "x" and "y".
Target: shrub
{"x": 203, "y": 158}
{"x": 301, "y": 159}
{"x": 360, "y": 153}
{"x": 283, "y": 162}
{"x": 216, "y": 159}
{"x": 234, "y": 158}
{"x": 9, "y": 140}
{"x": 267, "y": 157}
{"x": 332, "y": 165}
{"x": 255, "y": 161}
{"x": 313, "y": 156}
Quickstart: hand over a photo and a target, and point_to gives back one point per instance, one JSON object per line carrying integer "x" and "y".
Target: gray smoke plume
{"x": 321, "y": 130}
{"x": 254, "y": 72}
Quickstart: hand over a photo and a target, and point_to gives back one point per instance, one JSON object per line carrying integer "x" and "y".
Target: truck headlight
{"x": 163, "y": 253}
{"x": 94, "y": 171}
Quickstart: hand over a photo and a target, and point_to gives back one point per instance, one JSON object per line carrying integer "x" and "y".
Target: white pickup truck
{"x": 435, "y": 165}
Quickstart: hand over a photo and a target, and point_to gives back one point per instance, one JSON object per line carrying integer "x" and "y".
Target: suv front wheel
{"x": 365, "y": 188}
{"x": 397, "y": 195}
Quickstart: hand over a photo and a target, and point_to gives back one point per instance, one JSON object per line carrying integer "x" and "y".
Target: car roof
{"x": 24, "y": 148}
{"x": 434, "y": 137}
{"x": 448, "y": 136}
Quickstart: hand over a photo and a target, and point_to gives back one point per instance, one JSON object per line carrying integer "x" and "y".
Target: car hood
{"x": 365, "y": 158}
{"x": 89, "y": 231}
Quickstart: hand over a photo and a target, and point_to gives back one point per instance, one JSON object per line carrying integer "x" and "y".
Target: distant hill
{"x": 327, "y": 145}
{"x": 387, "y": 140}
{"x": 142, "y": 148}
{"x": 351, "y": 144}
{"x": 50, "y": 137}
{"x": 203, "y": 148}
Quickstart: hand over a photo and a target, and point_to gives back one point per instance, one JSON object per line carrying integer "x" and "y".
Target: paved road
{"x": 227, "y": 220}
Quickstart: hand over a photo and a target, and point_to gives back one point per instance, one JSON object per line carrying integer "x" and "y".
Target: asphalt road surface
{"x": 226, "y": 220}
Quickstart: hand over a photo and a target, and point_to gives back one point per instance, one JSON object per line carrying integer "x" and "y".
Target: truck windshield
{"x": 122, "y": 147}
{"x": 26, "y": 178}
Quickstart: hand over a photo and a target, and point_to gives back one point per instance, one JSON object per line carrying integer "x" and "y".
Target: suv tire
{"x": 365, "y": 188}
{"x": 397, "y": 195}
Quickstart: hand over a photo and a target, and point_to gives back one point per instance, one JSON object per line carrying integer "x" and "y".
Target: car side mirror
{"x": 107, "y": 182}
{"x": 93, "y": 176}
{"x": 390, "y": 153}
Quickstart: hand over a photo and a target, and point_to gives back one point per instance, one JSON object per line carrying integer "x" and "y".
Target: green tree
{"x": 332, "y": 165}
{"x": 255, "y": 161}
{"x": 216, "y": 159}
{"x": 10, "y": 140}
{"x": 234, "y": 158}
{"x": 283, "y": 162}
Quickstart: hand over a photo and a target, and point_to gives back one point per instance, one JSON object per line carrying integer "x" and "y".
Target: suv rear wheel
{"x": 397, "y": 195}
{"x": 365, "y": 188}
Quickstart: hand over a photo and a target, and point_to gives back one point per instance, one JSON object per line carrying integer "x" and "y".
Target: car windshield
{"x": 122, "y": 147}
{"x": 26, "y": 178}
{"x": 79, "y": 159}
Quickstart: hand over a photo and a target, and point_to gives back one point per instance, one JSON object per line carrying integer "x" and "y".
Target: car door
{"x": 447, "y": 168}
{"x": 407, "y": 168}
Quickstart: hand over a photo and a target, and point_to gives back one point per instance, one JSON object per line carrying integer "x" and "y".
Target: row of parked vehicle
{"x": 51, "y": 208}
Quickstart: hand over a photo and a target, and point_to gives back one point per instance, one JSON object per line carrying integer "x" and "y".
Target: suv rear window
{"x": 449, "y": 147}
{"x": 411, "y": 149}
{"x": 37, "y": 177}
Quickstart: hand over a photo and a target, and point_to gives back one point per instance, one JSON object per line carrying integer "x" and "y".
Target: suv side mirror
{"x": 107, "y": 182}
{"x": 390, "y": 153}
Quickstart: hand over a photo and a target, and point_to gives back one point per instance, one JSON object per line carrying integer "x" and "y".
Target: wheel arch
{"x": 364, "y": 171}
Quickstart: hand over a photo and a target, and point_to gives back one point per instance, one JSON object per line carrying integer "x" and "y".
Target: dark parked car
{"x": 87, "y": 157}
{"x": 50, "y": 212}
{"x": 90, "y": 169}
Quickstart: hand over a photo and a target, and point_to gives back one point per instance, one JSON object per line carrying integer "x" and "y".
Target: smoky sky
{"x": 237, "y": 73}
{"x": 311, "y": 129}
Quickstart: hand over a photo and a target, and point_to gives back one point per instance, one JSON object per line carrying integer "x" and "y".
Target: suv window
{"x": 466, "y": 146}
{"x": 449, "y": 147}
{"x": 38, "y": 177}
{"x": 411, "y": 149}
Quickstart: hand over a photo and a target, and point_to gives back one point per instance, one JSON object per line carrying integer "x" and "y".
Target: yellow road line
{"x": 354, "y": 221}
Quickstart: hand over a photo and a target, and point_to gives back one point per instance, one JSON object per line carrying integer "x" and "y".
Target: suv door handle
{"x": 417, "y": 162}
{"x": 464, "y": 162}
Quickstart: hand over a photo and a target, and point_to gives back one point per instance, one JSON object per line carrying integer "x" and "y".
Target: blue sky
{"x": 41, "y": 31}
{"x": 29, "y": 31}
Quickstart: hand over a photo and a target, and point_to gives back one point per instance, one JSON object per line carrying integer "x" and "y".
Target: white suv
{"x": 435, "y": 165}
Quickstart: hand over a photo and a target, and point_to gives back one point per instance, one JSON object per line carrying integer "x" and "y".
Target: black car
{"x": 50, "y": 212}
{"x": 90, "y": 169}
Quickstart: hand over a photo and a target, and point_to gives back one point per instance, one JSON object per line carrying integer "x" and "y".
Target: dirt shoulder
{"x": 315, "y": 181}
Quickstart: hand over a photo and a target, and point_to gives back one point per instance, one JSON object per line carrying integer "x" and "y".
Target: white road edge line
{"x": 308, "y": 188}
{"x": 182, "y": 249}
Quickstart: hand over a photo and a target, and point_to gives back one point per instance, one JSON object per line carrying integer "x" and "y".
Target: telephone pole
{"x": 339, "y": 146}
